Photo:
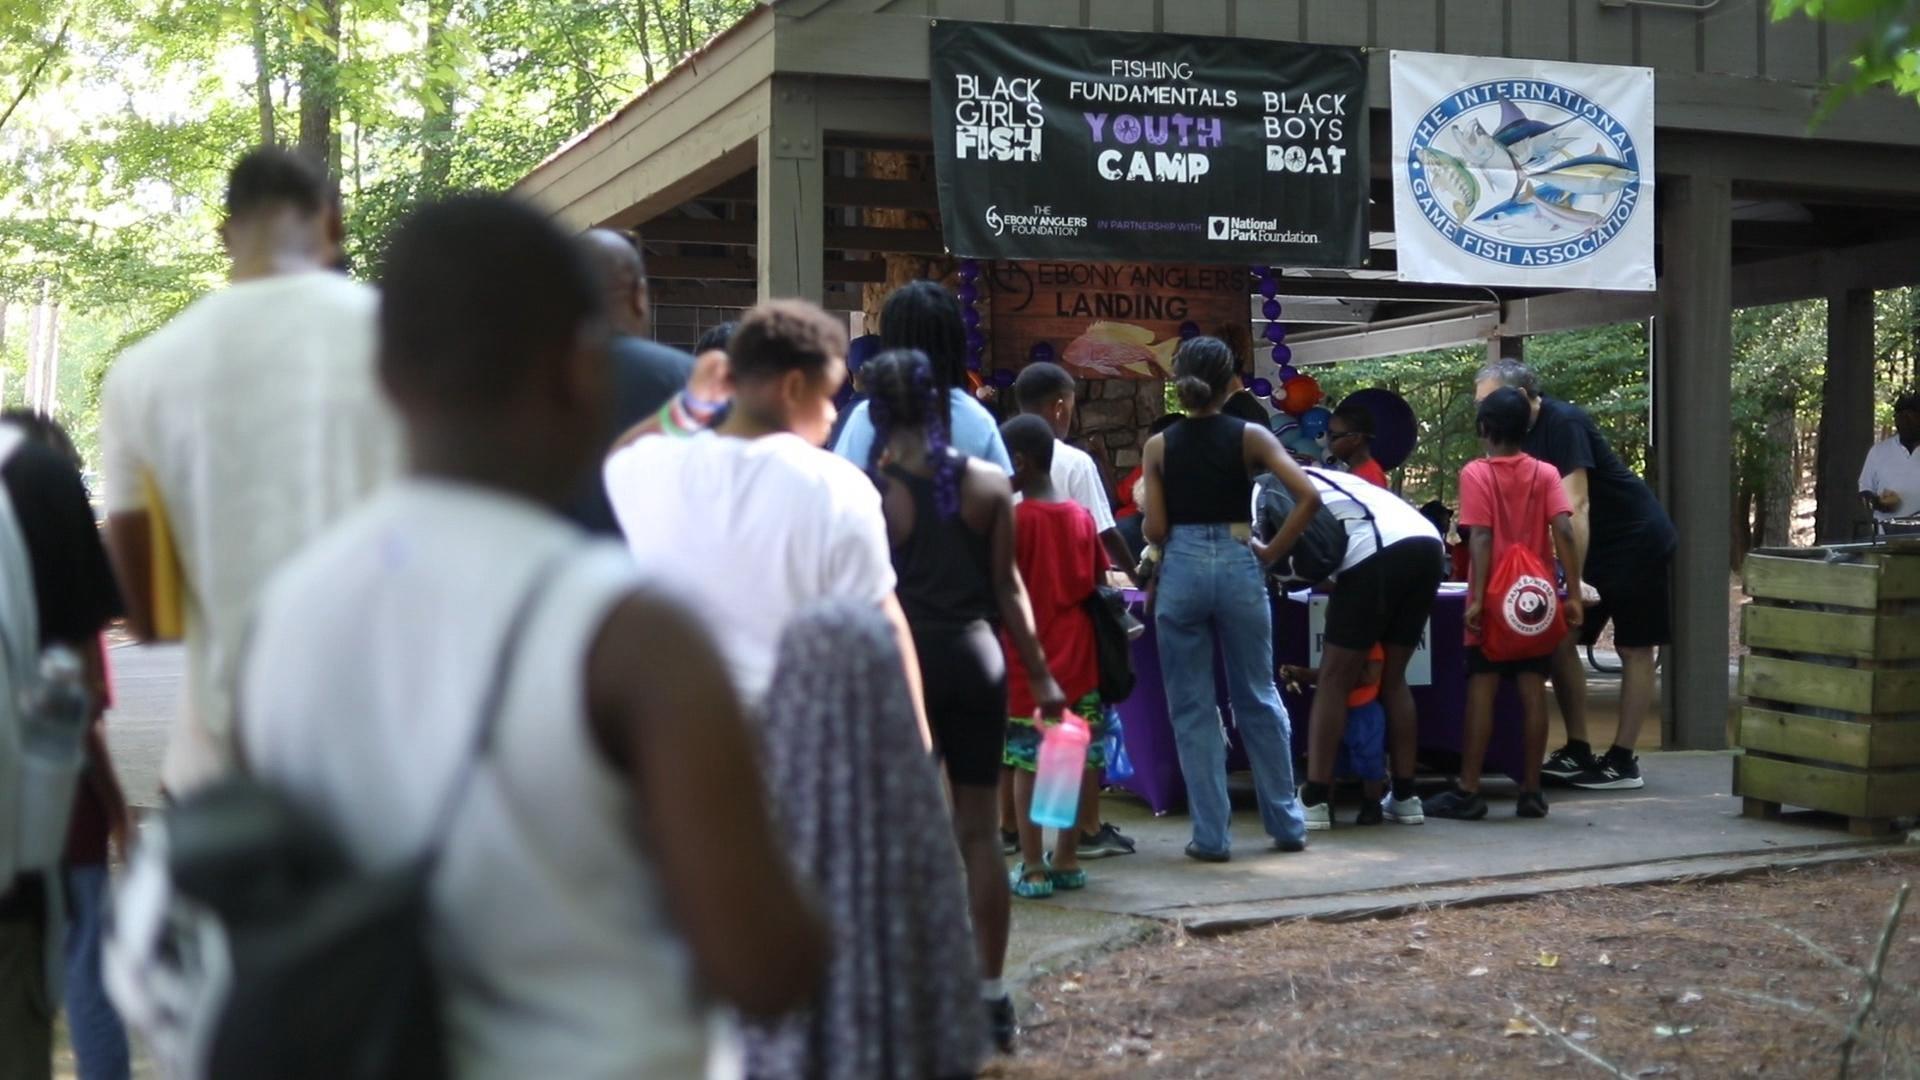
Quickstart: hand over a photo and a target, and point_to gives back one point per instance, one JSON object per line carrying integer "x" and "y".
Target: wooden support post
{"x": 1501, "y": 347}
{"x": 1846, "y": 414}
{"x": 791, "y": 228}
{"x": 1694, "y": 413}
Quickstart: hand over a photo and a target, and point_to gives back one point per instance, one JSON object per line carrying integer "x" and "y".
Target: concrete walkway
{"x": 1683, "y": 822}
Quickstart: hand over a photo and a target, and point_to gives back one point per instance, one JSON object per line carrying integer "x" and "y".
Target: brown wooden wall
{"x": 1734, "y": 38}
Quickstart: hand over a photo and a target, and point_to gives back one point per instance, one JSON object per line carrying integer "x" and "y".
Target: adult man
{"x": 645, "y": 372}
{"x": 1890, "y": 477}
{"x": 1624, "y": 542}
{"x": 752, "y": 520}
{"x": 613, "y": 858}
{"x": 1350, "y": 438}
{"x": 66, "y": 595}
{"x": 243, "y": 427}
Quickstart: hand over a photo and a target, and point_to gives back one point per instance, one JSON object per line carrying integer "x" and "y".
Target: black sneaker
{"x": 1533, "y": 804}
{"x": 1614, "y": 772}
{"x": 1568, "y": 762}
{"x": 1009, "y": 842}
{"x": 1107, "y": 842}
{"x": 1458, "y": 805}
{"x": 1370, "y": 813}
{"x": 1001, "y": 1021}
{"x": 1200, "y": 854}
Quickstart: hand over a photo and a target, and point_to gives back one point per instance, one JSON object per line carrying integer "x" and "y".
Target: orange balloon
{"x": 1301, "y": 392}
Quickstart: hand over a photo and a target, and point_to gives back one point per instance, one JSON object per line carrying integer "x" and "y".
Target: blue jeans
{"x": 1210, "y": 585}
{"x": 99, "y": 1039}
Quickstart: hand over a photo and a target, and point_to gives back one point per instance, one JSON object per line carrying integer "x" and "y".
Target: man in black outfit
{"x": 645, "y": 372}
{"x": 1625, "y": 542}
{"x": 74, "y": 596}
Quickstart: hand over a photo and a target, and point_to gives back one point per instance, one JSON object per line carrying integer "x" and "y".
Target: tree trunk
{"x": 262, "y": 76}
{"x": 3, "y": 352}
{"x": 50, "y": 362}
{"x": 320, "y": 91}
{"x": 1776, "y": 527}
{"x": 1746, "y": 503}
{"x": 39, "y": 69}
{"x": 646, "y": 46}
{"x": 436, "y": 145}
{"x": 36, "y": 317}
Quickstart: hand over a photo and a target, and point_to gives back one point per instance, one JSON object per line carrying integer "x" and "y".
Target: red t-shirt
{"x": 1060, "y": 558}
{"x": 1367, "y": 692}
{"x": 1517, "y": 497}
{"x": 1126, "y": 507}
{"x": 1370, "y": 471}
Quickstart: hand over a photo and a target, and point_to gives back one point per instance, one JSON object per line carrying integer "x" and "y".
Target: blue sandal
{"x": 1028, "y": 889}
{"x": 1065, "y": 880}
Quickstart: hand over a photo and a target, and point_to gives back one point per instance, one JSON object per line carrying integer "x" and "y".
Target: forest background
{"x": 119, "y": 118}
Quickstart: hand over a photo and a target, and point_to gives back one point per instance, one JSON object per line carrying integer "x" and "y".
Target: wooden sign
{"x": 1109, "y": 320}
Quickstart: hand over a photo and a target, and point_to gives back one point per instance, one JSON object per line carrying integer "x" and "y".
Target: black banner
{"x": 1090, "y": 144}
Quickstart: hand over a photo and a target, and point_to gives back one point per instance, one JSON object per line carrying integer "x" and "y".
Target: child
{"x": 1507, "y": 498}
{"x": 1047, "y": 391}
{"x": 1363, "y": 746}
{"x": 1060, "y": 559}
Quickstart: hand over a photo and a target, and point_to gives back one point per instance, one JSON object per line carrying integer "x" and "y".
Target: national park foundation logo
{"x": 1524, "y": 172}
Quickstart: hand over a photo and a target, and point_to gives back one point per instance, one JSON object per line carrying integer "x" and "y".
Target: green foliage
{"x": 1888, "y": 52}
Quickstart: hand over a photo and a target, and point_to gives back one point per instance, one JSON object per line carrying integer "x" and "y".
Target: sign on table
{"x": 1419, "y": 668}
{"x": 1522, "y": 172}
{"x": 1109, "y": 320}
{"x": 1084, "y": 144}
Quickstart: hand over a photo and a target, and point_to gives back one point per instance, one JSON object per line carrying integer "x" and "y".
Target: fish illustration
{"x": 1528, "y": 214}
{"x": 1530, "y": 141}
{"x": 1450, "y": 177}
{"x": 1120, "y": 350}
{"x": 1476, "y": 145}
{"x": 1594, "y": 174}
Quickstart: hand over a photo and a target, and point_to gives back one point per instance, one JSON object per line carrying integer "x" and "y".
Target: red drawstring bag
{"x": 1521, "y": 617}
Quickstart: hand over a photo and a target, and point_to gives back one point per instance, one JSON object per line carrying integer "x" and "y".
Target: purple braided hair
{"x": 904, "y": 393}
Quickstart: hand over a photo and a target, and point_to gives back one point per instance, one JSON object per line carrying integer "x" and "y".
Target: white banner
{"x": 1522, "y": 172}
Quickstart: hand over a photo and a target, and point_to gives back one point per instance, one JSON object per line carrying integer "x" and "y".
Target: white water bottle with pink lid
{"x": 1062, "y": 764}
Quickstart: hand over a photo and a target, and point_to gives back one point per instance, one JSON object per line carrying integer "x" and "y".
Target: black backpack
{"x": 1114, "y": 629}
{"x": 298, "y": 964}
{"x": 1317, "y": 555}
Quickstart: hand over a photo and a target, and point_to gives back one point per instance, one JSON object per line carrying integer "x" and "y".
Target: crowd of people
{"x": 748, "y": 779}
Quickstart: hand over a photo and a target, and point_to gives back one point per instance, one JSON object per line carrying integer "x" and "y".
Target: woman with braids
{"x": 1199, "y": 510}
{"x": 925, "y": 317}
{"x": 950, "y": 524}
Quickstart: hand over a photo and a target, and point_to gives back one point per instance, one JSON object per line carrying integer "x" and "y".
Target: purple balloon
{"x": 1275, "y": 332}
{"x": 1041, "y": 353}
{"x": 1287, "y": 371}
{"x": 1260, "y": 388}
{"x": 1270, "y": 309}
{"x": 1002, "y": 378}
{"x": 973, "y": 362}
{"x": 976, "y": 339}
{"x": 1268, "y": 287}
{"x": 1260, "y": 271}
{"x": 1282, "y": 354}
{"x": 1189, "y": 330}
{"x": 969, "y": 271}
{"x": 969, "y": 294}
{"x": 970, "y": 316}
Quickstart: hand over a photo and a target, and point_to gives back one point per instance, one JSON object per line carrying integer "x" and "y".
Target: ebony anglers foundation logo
{"x": 1524, "y": 172}
{"x": 1040, "y": 221}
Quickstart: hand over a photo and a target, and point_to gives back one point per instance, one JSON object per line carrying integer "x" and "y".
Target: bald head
{"x": 623, "y": 274}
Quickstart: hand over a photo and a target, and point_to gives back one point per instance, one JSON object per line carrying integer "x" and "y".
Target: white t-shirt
{"x": 1078, "y": 478}
{"x": 1891, "y": 467}
{"x": 362, "y": 688}
{"x": 1351, "y": 499}
{"x": 749, "y": 532}
{"x": 259, "y": 416}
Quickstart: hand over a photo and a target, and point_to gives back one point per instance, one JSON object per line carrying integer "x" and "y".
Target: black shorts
{"x": 965, "y": 678}
{"x": 1478, "y": 664}
{"x": 1638, "y": 602}
{"x": 1386, "y": 598}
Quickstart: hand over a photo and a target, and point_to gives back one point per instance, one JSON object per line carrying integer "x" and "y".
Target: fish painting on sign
{"x": 1522, "y": 180}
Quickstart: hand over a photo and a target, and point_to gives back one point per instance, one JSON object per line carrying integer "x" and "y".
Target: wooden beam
{"x": 1442, "y": 330}
{"x": 1846, "y": 414}
{"x": 1694, "y": 422}
{"x": 745, "y": 268}
{"x": 735, "y": 297}
{"x": 1554, "y": 312}
{"x": 1886, "y": 264}
{"x": 835, "y": 237}
{"x": 1798, "y": 164}
{"x": 790, "y": 244}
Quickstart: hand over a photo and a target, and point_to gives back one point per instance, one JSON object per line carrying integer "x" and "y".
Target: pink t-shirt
{"x": 1517, "y": 497}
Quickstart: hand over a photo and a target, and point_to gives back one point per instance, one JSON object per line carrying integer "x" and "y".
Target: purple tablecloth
{"x": 1442, "y": 705}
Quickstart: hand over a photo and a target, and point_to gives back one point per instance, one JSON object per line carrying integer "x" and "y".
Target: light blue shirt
{"x": 974, "y": 433}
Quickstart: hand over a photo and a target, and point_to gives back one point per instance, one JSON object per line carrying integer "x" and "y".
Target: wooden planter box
{"x": 1832, "y": 718}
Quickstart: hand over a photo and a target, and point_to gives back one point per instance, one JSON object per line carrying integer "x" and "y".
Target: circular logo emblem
{"x": 1529, "y": 605}
{"x": 1524, "y": 172}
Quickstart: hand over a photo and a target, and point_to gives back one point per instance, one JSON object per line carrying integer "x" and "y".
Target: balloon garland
{"x": 969, "y": 295}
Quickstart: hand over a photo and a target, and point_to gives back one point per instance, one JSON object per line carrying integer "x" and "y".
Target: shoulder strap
{"x": 19, "y": 618}
{"x": 1379, "y": 541}
{"x": 1493, "y": 478}
{"x": 480, "y": 747}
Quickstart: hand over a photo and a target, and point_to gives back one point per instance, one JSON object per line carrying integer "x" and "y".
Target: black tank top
{"x": 945, "y": 568}
{"x": 1205, "y": 472}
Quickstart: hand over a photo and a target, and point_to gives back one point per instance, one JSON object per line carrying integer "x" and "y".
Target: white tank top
{"x": 362, "y": 688}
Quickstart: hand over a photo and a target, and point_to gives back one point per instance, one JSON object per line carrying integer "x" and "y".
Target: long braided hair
{"x": 904, "y": 396}
{"x": 925, "y": 317}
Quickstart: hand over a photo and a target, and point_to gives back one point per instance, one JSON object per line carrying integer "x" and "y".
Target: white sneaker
{"x": 1319, "y": 818}
{"x": 1407, "y": 811}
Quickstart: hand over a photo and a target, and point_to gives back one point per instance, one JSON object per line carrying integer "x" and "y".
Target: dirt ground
{"x": 1755, "y": 977}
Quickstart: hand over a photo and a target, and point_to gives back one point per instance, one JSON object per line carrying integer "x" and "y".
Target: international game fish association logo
{"x": 1524, "y": 172}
